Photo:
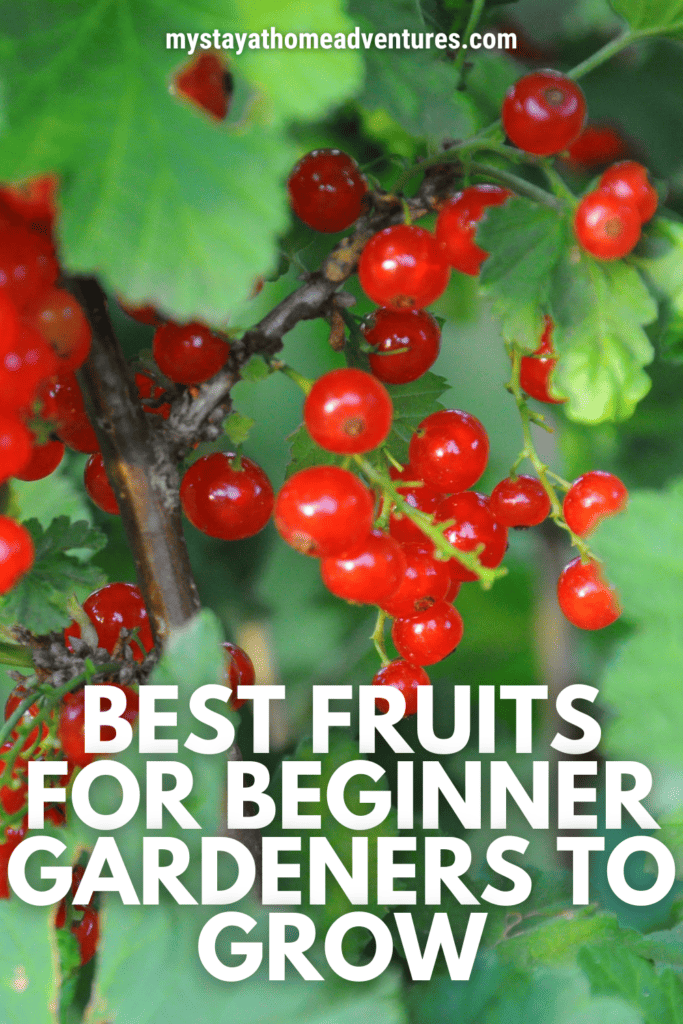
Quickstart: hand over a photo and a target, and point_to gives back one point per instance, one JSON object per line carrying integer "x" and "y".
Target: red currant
{"x": 34, "y": 198}
{"x": 23, "y": 368}
{"x": 426, "y": 580}
{"x": 419, "y": 496}
{"x": 226, "y": 500}
{"x": 596, "y": 146}
{"x": 586, "y": 600}
{"x": 59, "y": 319}
{"x": 456, "y": 225}
{"x": 148, "y": 388}
{"x": 13, "y": 794}
{"x": 474, "y": 524}
{"x": 63, "y": 404}
{"x": 11, "y": 839}
{"x": 27, "y": 264}
{"x": 324, "y": 511}
{"x": 629, "y": 181}
{"x": 403, "y": 267}
{"x": 97, "y": 485}
{"x": 188, "y": 353}
{"x": 404, "y": 677}
{"x": 205, "y": 83}
{"x": 449, "y": 450}
{"x": 44, "y": 460}
{"x": 71, "y": 725}
{"x": 239, "y": 671}
{"x": 348, "y": 411}
{"x": 543, "y": 112}
{"x": 16, "y": 553}
{"x": 147, "y": 315}
{"x": 606, "y": 226}
{"x": 592, "y": 498}
{"x": 113, "y": 608}
{"x": 535, "y": 371}
{"x": 326, "y": 190}
{"x": 520, "y": 501}
{"x": 430, "y": 636}
{"x": 9, "y": 323}
{"x": 367, "y": 573}
{"x": 87, "y": 933}
{"x": 406, "y": 344}
{"x": 16, "y": 446}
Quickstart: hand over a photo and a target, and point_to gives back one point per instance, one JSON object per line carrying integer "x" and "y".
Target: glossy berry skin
{"x": 449, "y": 450}
{"x": 188, "y": 353}
{"x": 113, "y": 608}
{"x": 629, "y": 181}
{"x": 326, "y": 190}
{"x": 535, "y": 371}
{"x": 456, "y": 225}
{"x": 543, "y": 112}
{"x": 426, "y": 580}
{"x": 224, "y": 500}
{"x": 44, "y": 460}
{"x": 16, "y": 553}
{"x": 148, "y": 388}
{"x": 347, "y": 412}
{"x": 87, "y": 933}
{"x": 24, "y": 366}
{"x": 596, "y": 146}
{"x": 404, "y": 677}
{"x": 392, "y": 331}
{"x": 519, "y": 501}
{"x": 403, "y": 267}
{"x": 71, "y": 726}
{"x": 474, "y": 524}
{"x": 203, "y": 82}
{"x": 239, "y": 671}
{"x": 97, "y": 485}
{"x": 592, "y": 498}
{"x": 430, "y": 636}
{"x": 63, "y": 405}
{"x": 367, "y": 573}
{"x": 419, "y": 496}
{"x": 16, "y": 446}
{"x": 9, "y": 322}
{"x": 27, "y": 264}
{"x": 59, "y": 319}
{"x": 324, "y": 511}
{"x": 585, "y": 599}
{"x": 606, "y": 226}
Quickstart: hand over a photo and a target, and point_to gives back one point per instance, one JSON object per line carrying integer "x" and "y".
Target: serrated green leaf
{"x": 256, "y": 369}
{"x": 412, "y": 403}
{"x": 27, "y": 964}
{"x": 39, "y": 600}
{"x": 662, "y": 265}
{"x": 662, "y": 18}
{"x": 238, "y": 427}
{"x": 612, "y": 969}
{"x": 558, "y": 941}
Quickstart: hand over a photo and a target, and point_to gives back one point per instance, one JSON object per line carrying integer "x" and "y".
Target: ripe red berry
{"x": 449, "y": 450}
{"x": 456, "y": 225}
{"x": 87, "y": 933}
{"x": 535, "y": 371}
{"x": 23, "y": 368}
{"x": 27, "y": 263}
{"x": 188, "y": 353}
{"x": 368, "y": 573}
{"x": 113, "y": 608}
{"x": 348, "y": 411}
{"x": 426, "y": 580}
{"x": 404, "y": 677}
{"x": 148, "y": 388}
{"x": 59, "y": 319}
{"x": 16, "y": 553}
{"x": 596, "y": 146}
{"x": 586, "y": 600}
{"x": 519, "y": 501}
{"x": 44, "y": 460}
{"x": 239, "y": 671}
{"x": 9, "y": 322}
{"x": 606, "y": 226}
{"x": 403, "y": 267}
{"x": 12, "y": 837}
{"x": 34, "y": 198}
{"x": 205, "y": 83}
{"x": 543, "y": 112}
{"x": 592, "y": 498}
{"x": 474, "y": 524}
{"x": 13, "y": 794}
{"x": 430, "y": 636}
{"x": 225, "y": 500}
{"x": 326, "y": 190}
{"x": 629, "y": 181}
{"x": 406, "y": 343}
{"x": 16, "y": 445}
{"x": 324, "y": 511}
{"x": 63, "y": 405}
{"x": 97, "y": 485}
{"x": 419, "y": 496}
{"x": 71, "y": 725}
{"x": 147, "y": 315}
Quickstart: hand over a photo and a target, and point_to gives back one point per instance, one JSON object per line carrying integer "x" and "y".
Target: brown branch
{"x": 140, "y": 468}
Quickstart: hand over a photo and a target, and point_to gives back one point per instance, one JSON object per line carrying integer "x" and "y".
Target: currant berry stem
{"x": 378, "y": 637}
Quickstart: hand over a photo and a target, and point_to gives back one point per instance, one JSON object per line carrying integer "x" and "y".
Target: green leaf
{"x": 27, "y": 964}
{"x": 238, "y": 427}
{"x": 614, "y": 970}
{"x": 256, "y": 369}
{"x": 557, "y": 941}
{"x": 662, "y": 18}
{"x": 169, "y": 207}
{"x": 39, "y": 601}
{"x": 662, "y": 266}
{"x": 600, "y": 310}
